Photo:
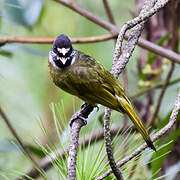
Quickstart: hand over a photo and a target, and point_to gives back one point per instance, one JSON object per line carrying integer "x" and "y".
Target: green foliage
{"x": 24, "y": 13}
{"x": 6, "y": 53}
{"x": 147, "y": 70}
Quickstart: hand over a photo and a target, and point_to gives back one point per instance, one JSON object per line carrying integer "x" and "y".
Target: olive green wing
{"x": 93, "y": 83}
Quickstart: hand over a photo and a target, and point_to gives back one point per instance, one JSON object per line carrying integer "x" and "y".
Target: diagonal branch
{"x": 160, "y": 98}
{"x": 14, "y": 133}
{"x": 114, "y": 29}
{"x": 172, "y": 121}
{"x": 108, "y": 11}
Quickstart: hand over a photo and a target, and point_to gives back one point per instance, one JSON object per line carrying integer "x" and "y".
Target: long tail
{"x": 127, "y": 107}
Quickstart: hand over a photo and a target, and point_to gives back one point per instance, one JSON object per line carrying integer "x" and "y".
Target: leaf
{"x": 147, "y": 70}
{"x": 22, "y": 12}
{"x": 6, "y": 53}
{"x": 151, "y": 56}
{"x": 35, "y": 150}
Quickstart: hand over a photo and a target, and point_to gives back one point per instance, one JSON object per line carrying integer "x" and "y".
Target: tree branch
{"x": 114, "y": 29}
{"x": 172, "y": 121}
{"x": 155, "y": 86}
{"x": 73, "y": 146}
{"x": 174, "y": 45}
{"x": 45, "y": 40}
{"x": 107, "y": 138}
{"x": 108, "y": 11}
{"x": 121, "y": 59}
{"x": 143, "y": 17}
{"x": 160, "y": 98}
{"x": 76, "y": 123}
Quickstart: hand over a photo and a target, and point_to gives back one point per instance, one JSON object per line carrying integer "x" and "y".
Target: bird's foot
{"x": 77, "y": 116}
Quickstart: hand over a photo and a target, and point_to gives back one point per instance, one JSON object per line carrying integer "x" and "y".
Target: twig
{"x": 133, "y": 168}
{"x": 172, "y": 121}
{"x": 109, "y": 12}
{"x": 96, "y": 136}
{"x": 112, "y": 28}
{"x": 107, "y": 116}
{"x": 121, "y": 59}
{"x": 124, "y": 73}
{"x": 73, "y": 146}
{"x": 107, "y": 137}
{"x": 143, "y": 16}
{"x": 77, "y": 122}
{"x": 155, "y": 86}
{"x": 112, "y": 21}
{"x": 14, "y": 133}
{"x": 160, "y": 98}
{"x": 45, "y": 40}
{"x": 174, "y": 45}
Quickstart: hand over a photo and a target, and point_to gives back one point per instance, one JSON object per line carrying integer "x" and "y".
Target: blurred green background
{"x": 26, "y": 89}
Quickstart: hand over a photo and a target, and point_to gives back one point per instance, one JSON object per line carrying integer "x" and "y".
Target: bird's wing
{"x": 94, "y": 83}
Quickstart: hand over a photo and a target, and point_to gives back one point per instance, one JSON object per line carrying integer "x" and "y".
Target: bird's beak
{"x": 63, "y": 60}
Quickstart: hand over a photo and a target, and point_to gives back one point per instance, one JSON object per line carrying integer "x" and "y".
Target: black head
{"x": 62, "y": 51}
{"x": 62, "y": 41}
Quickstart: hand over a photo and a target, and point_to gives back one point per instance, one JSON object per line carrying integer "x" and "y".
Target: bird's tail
{"x": 127, "y": 107}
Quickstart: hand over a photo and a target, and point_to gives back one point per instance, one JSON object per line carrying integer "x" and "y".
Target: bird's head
{"x": 62, "y": 52}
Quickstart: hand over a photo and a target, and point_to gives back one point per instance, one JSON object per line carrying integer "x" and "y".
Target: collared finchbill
{"x": 82, "y": 76}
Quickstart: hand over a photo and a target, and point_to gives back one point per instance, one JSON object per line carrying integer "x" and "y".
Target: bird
{"x": 80, "y": 75}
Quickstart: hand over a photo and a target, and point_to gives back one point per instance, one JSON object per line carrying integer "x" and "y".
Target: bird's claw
{"x": 77, "y": 116}
{"x": 84, "y": 105}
